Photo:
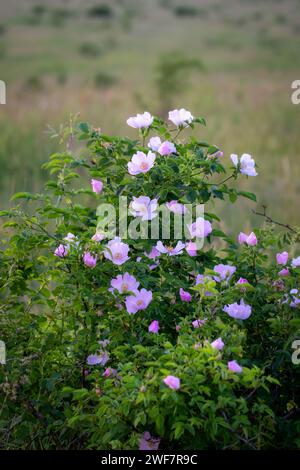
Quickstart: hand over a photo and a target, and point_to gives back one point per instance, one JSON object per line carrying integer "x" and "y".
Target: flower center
{"x": 124, "y": 287}
{"x": 144, "y": 166}
{"x": 118, "y": 256}
{"x": 139, "y": 303}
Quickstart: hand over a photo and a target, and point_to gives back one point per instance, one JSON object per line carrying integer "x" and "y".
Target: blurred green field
{"x": 230, "y": 61}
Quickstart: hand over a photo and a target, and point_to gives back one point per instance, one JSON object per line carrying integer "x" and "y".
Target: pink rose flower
{"x": 148, "y": 442}
{"x": 89, "y": 260}
{"x": 176, "y": 207}
{"x": 296, "y": 262}
{"x": 180, "y": 117}
{"x": 141, "y": 163}
{"x": 234, "y": 367}
{"x": 116, "y": 251}
{"x": 239, "y": 311}
{"x": 98, "y": 237}
{"x": 97, "y": 186}
{"x": 250, "y": 240}
{"x": 139, "y": 301}
{"x": 246, "y": 164}
{"x": 125, "y": 283}
{"x": 184, "y": 295}
{"x": 282, "y": 258}
{"x": 154, "y": 143}
{"x": 284, "y": 272}
{"x": 166, "y": 148}
{"x": 218, "y": 344}
{"x": 200, "y": 229}
{"x": 109, "y": 372}
{"x": 154, "y": 327}
{"x": 191, "y": 248}
{"x": 172, "y": 382}
{"x": 140, "y": 121}
{"x": 154, "y": 253}
{"x": 169, "y": 250}
{"x": 198, "y": 323}
{"x": 217, "y": 154}
{"x": 61, "y": 251}
{"x": 143, "y": 207}
{"x": 95, "y": 359}
{"x": 224, "y": 271}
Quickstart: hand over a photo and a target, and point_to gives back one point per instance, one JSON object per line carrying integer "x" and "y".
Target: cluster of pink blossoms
{"x": 117, "y": 251}
{"x": 282, "y": 260}
{"x": 137, "y": 299}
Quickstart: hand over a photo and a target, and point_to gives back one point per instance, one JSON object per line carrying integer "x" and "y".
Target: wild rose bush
{"x": 150, "y": 344}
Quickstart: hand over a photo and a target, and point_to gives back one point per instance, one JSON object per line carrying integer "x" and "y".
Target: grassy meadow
{"x": 230, "y": 61}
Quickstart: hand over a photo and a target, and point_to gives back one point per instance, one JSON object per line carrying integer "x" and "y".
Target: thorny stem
{"x": 241, "y": 438}
{"x": 272, "y": 221}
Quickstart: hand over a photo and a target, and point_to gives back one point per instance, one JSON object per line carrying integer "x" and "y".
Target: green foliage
{"x": 101, "y": 11}
{"x": 89, "y": 49}
{"x": 54, "y": 311}
{"x": 172, "y": 74}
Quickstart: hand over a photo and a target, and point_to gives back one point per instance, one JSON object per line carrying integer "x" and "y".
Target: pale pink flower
{"x": 154, "y": 265}
{"x": 140, "y": 121}
{"x": 139, "y": 301}
{"x": 184, "y": 295}
{"x": 296, "y": 262}
{"x": 116, "y": 251}
{"x": 141, "y": 163}
{"x": 154, "y": 327}
{"x": 246, "y": 164}
{"x": 71, "y": 239}
{"x": 98, "y": 237}
{"x": 172, "y": 382}
{"x": 143, "y": 207}
{"x": 109, "y": 372}
{"x": 200, "y": 229}
{"x": 284, "y": 272}
{"x": 178, "y": 328}
{"x": 148, "y": 442}
{"x": 242, "y": 238}
{"x": 97, "y": 186}
{"x": 198, "y": 323}
{"x": 154, "y": 253}
{"x": 191, "y": 248}
{"x": 224, "y": 271}
{"x": 61, "y": 251}
{"x": 250, "y": 240}
{"x": 125, "y": 283}
{"x": 95, "y": 359}
{"x": 89, "y": 260}
{"x": 104, "y": 342}
{"x": 239, "y": 311}
{"x": 154, "y": 143}
{"x": 180, "y": 117}
{"x": 218, "y": 344}
{"x": 176, "y": 207}
{"x": 166, "y": 148}
{"x": 217, "y": 154}
{"x": 233, "y": 366}
{"x": 169, "y": 250}
{"x": 242, "y": 280}
{"x": 282, "y": 258}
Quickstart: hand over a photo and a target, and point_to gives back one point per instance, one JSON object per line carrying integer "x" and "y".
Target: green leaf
{"x": 247, "y": 195}
{"x": 84, "y": 127}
